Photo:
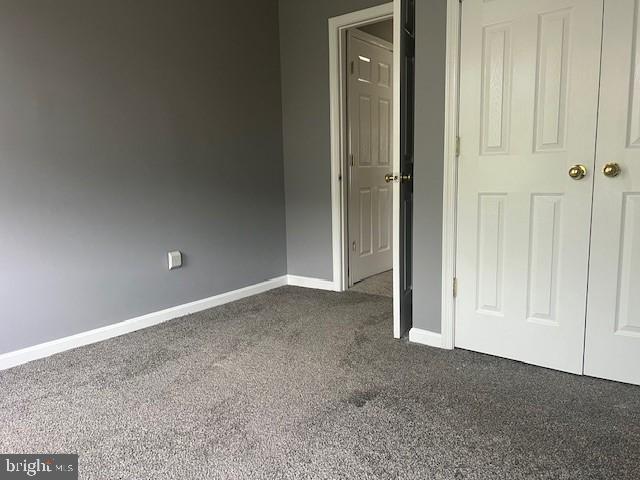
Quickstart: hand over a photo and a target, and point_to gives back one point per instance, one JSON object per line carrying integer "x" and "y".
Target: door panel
{"x": 369, "y": 113}
{"x": 528, "y": 110}
{"x": 612, "y": 347}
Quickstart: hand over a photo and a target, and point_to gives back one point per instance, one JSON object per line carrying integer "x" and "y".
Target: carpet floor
{"x": 298, "y": 383}
{"x": 380, "y": 284}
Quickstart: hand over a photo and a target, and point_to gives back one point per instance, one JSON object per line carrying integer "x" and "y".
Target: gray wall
{"x": 383, "y": 30}
{"x": 304, "y": 46}
{"x": 129, "y": 128}
{"x": 431, "y": 28}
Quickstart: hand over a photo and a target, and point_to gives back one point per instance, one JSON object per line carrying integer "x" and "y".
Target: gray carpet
{"x": 381, "y": 284}
{"x": 298, "y": 383}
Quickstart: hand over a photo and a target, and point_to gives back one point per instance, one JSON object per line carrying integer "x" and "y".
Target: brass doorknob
{"x": 389, "y": 177}
{"x": 578, "y": 172}
{"x": 611, "y": 170}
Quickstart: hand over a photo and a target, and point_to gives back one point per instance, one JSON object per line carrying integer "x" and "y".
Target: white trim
{"x": 450, "y": 181}
{"x": 397, "y": 35}
{"x": 18, "y": 357}
{"x": 337, "y": 62}
{"x": 308, "y": 282}
{"x": 424, "y": 337}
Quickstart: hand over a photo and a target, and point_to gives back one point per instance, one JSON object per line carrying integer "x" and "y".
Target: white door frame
{"x": 450, "y": 180}
{"x": 339, "y": 144}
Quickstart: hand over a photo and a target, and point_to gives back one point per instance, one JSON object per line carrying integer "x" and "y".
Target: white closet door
{"x": 529, "y": 94}
{"x": 613, "y": 321}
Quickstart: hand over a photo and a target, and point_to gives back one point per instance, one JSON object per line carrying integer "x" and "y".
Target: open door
{"x": 403, "y": 166}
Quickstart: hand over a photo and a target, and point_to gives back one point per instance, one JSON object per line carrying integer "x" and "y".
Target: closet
{"x": 548, "y": 253}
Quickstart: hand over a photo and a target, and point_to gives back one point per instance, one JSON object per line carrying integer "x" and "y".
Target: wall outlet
{"x": 175, "y": 259}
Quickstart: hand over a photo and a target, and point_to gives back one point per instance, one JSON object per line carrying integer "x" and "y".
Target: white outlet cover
{"x": 175, "y": 259}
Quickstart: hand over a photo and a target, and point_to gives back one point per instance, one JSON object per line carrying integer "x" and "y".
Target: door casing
{"x": 450, "y": 180}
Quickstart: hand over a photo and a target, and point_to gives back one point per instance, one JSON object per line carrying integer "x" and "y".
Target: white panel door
{"x": 370, "y": 93}
{"x": 529, "y": 94}
{"x": 613, "y": 314}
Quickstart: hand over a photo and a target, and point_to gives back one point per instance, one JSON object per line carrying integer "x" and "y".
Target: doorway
{"x": 398, "y": 181}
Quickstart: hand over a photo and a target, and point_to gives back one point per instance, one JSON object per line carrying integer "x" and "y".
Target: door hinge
{"x": 352, "y": 67}
{"x": 351, "y": 159}
{"x": 457, "y": 146}
{"x": 353, "y": 246}
{"x": 455, "y": 287}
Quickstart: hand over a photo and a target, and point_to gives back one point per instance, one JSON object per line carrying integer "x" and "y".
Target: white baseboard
{"x": 308, "y": 282}
{"x": 425, "y": 337}
{"x": 18, "y": 357}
